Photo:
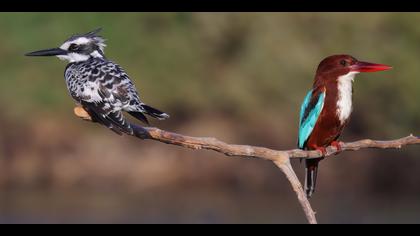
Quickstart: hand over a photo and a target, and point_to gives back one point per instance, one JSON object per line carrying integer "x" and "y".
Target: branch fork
{"x": 281, "y": 158}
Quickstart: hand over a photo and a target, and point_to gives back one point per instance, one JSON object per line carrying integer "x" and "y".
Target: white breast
{"x": 345, "y": 90}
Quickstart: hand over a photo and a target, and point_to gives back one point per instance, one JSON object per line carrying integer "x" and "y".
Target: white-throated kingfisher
{"x": 327, "y": 107}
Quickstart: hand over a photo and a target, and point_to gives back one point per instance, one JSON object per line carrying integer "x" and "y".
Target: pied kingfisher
{"x": 100, "y": 86}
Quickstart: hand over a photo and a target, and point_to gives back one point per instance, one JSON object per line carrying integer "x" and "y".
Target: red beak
{"x": 361, "y": 66}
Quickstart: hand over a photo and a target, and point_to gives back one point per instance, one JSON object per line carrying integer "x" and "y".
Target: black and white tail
{"x": 153, "y": 112}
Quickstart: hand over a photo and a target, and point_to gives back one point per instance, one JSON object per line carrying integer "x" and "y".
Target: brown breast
{"x": 328, "y": 127}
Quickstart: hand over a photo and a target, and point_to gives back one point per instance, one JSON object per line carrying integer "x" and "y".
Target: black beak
{"x": 47, "y": 52}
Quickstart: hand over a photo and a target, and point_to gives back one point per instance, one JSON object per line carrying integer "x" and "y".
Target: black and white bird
{"x": 100, "y": 86}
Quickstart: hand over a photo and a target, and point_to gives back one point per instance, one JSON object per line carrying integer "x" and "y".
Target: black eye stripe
{"x": 82, "y": 48}
{"x": 73, "y": 47}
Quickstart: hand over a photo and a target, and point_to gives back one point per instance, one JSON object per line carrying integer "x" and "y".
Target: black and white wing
{"x": 104, "y": 90}
{"x": 113, "y": 120}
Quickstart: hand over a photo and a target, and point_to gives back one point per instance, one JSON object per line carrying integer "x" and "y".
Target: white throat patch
{"x": 345, "y": 90}
{"x": 73, "y": 57}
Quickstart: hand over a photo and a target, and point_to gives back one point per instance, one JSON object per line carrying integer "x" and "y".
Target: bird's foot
{"x": 82, "y": 113}
{"x": 323, "y": 150}
{"x": 337, "y": 145}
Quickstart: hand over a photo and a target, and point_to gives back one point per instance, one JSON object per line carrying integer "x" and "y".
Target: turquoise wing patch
{"x": 307, "y": 123}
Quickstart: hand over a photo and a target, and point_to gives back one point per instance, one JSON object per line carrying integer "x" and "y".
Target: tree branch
{"x": 287, "y": 169}
{"x": 357, "y": 145}
{"x": 280, "y": 158}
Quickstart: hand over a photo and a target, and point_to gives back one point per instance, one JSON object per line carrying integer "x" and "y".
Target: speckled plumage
{"x": 100, "y": 86}
{"x": 104, "y": 84}
{"x": 100, "y": 81}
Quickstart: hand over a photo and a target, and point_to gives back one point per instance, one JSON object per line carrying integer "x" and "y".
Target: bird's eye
{"x": 73, "y": 47}
{"x": 343, "y": 62}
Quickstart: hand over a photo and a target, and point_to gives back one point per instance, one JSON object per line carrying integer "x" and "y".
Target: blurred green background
{"x": 240, "y": 77}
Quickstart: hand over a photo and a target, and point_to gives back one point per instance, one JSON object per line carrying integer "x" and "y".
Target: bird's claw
{"x": 337, "y": 145}
{"x": 323, "y": 150}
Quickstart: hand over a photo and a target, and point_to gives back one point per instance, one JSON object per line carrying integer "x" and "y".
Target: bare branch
{"x": 207, "y": 143}
{"x": 262, "y": 152}
{"x": 281, "y": 158}
{"x": 287, "y": 169}
{"x": 357, "y": 145}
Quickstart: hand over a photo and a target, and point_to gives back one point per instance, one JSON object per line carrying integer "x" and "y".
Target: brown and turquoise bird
{"x": 326, "y": 109}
